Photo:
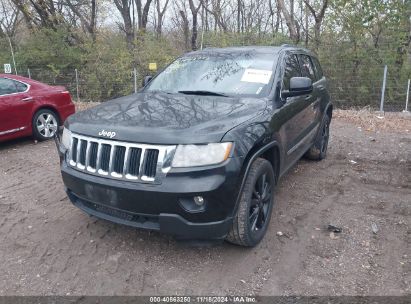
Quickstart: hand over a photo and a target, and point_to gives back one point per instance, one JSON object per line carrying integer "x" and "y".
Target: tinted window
{"x": 7, "y": 86}
{"x": 318, "y": 69}
{"x": 307, "y": 68}
{"x": 292, "y": 69}
{"x": 21, "y": 87}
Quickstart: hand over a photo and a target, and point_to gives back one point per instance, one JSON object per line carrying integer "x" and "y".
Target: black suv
{"x": 198, "y": 151}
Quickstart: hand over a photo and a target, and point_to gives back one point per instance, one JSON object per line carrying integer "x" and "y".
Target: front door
{"x": 296, "y": 113}
{"x": 15, "y": 107}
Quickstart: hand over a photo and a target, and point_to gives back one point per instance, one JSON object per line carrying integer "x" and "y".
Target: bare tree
{"x": 292, "y": 25}
{"x": 217, "y": 11}
{"x": 142, "y": 13}
{"x": 123, "y": 7}
{"x": 194, "y": 31}
{"x": 9, "y": 19}
{"x": 160, "y": 16}
{"x": 44, "y": 13}
{"x": 318, "y": 18}
{"x": 274, "y": 27}
{"x": 185, "y": 27}
{"x": 86, "y": 11}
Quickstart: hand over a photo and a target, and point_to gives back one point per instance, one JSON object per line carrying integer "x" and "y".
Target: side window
{"x": 307, "y": 67}
{"x": 21, "y": 87}
{"x": 292, "y": 69}
{"x": 318, "y": 69}
{"x": 7, "y": 86}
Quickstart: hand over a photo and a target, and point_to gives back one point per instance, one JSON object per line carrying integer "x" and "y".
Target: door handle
{"x": 27, "y": 99}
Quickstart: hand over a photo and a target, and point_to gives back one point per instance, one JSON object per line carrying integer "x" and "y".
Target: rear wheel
{"x": 319, "y": 150}
{"x": 45, "y": 124}
{"x": 256, "y": 202}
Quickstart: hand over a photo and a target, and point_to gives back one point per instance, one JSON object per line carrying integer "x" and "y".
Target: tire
{"x": 254, "y": 212}
{"x": 45, "y": 124}
{"x": 319, "y": 150}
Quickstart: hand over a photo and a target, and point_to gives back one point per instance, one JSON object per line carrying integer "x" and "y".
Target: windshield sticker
{"x": 256, "y": 76}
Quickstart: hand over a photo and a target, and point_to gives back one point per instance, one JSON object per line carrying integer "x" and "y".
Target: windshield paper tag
{"x": 256, "y": 76}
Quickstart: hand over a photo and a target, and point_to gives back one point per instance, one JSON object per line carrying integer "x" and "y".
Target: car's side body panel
{"x": 17, "y": 109}
{"x": 290, "y": 126}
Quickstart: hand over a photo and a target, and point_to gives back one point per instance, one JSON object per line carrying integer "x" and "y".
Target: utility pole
{"x": 202, "y": 37}
{"x": 12, "y": 52}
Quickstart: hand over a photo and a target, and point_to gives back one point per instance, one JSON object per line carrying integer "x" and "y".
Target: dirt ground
{"x": 49, "y": 247}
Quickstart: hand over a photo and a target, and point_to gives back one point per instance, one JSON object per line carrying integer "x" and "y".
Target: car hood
{"x": 162, "y": 118}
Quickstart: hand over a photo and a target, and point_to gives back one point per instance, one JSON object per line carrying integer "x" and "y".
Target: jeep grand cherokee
{"x": 198, "y": 151}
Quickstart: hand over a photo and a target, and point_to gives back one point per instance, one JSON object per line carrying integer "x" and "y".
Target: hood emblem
{"x": 105, "y": 133}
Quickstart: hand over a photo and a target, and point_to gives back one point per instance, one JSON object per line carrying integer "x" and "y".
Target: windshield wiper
{"x": 203, "y": 92}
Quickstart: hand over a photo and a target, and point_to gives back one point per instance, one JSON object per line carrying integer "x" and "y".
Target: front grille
{"x": 120, "y": 160}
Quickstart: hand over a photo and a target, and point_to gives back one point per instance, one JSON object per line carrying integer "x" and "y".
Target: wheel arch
{"x": 50, "y": 108}
{"x": 270, "y": 152}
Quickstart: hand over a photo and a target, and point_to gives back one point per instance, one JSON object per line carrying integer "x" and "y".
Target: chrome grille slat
{"x": 142, "y": 160}
{"x": 111, "y": 159}
{"x": 98, "y": 161}
{"x": 88, "y": 153}
{"x": 78, "y": 152}
{"x": 120, "y": 160}
{"x": 126, "y": 157}
{"x": 80, "y": 163}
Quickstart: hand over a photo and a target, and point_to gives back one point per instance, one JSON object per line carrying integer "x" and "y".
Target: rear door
{"x": 310, "y": 115}
{"x": 15, "y": 106}
{"x": 308, "y": 70}
{"x": 321, "y": 83}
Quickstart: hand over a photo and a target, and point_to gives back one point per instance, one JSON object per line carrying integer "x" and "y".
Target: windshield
{"x": 247, "y": 73}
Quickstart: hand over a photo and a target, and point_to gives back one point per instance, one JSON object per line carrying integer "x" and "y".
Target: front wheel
{"x": 45, "y": 124}
{"x": 256, "y": 202}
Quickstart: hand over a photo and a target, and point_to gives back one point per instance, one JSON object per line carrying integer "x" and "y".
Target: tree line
{"x": 106, "y": 39}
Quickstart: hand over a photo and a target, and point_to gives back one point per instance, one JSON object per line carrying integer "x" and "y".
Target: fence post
{"x": 77, "y": 87}
{"x": 28, "y": 73}
{"x": 408, "y": 95}
{"x": 135, "y": 80}
{"x": 383, "y": 89}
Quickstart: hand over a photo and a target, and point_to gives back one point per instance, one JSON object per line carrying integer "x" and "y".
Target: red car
{"x": 31, "y": 108}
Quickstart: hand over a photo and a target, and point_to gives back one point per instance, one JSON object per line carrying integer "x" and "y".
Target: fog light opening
{"x": 199, "y": 200}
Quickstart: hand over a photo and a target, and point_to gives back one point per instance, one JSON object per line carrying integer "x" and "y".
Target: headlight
{"x": 201, "y": 155}
{"x": 66, "y": 138}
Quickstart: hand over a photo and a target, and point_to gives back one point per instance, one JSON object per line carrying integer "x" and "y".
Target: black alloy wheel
{"x": 253, "y": 214}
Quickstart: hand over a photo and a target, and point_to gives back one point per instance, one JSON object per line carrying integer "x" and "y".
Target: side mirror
{"x": 146, "y": 80}
{"x": 299, "y": 86}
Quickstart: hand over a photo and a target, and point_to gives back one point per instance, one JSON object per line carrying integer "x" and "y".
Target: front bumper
{"x": 173, "y": 224}
{"x": 160, "y": 207}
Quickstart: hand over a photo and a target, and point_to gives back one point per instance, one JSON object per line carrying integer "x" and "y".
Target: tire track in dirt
{"x": 65, "y": 251}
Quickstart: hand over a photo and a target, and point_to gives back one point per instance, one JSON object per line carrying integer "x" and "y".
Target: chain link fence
{"x": 346, "y": 92}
